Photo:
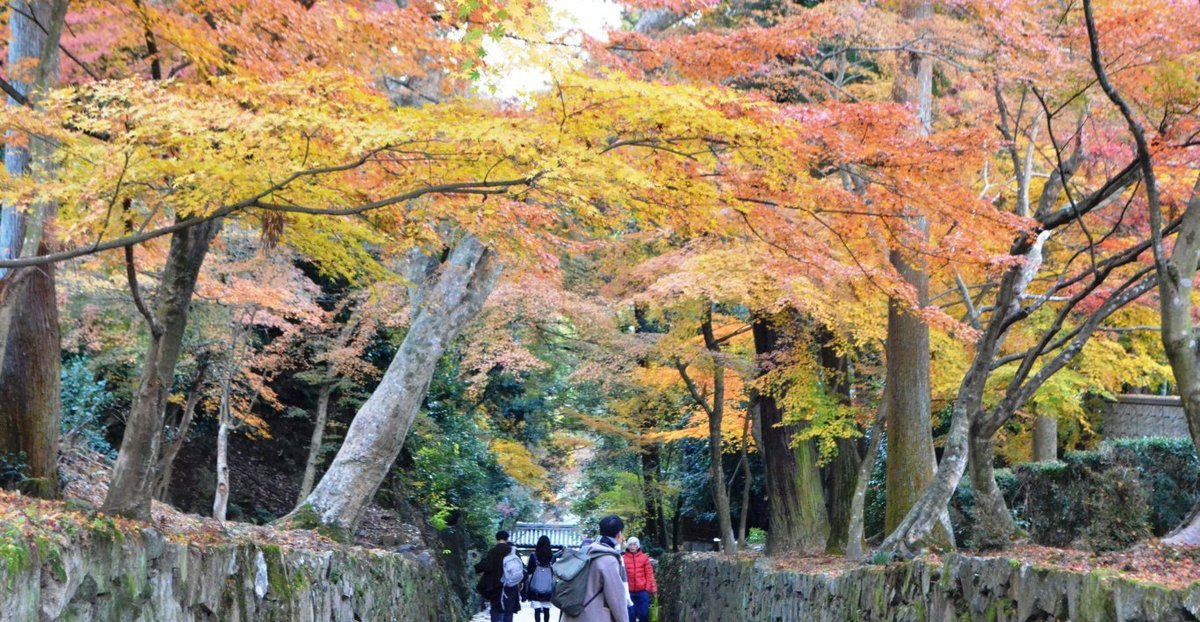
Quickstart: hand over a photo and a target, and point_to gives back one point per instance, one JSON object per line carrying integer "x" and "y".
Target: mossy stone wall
{"x": 704, "y": 587}
{"x": 111, "y": 577}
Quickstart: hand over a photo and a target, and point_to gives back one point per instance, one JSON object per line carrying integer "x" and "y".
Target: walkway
{"x": 524, "y": 615}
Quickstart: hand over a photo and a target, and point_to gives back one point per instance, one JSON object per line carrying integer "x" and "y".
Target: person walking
{"x": 642, "y": 586}
{"x": 539, "y": 581}
{"x": 606, "y": 582}
{"x": 503, "y": 600}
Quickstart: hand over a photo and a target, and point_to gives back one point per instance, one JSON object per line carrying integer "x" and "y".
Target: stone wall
{"x": 107, "y": 576}
{"x": 1140, "y": 416}
{"x": 699, "y": 587}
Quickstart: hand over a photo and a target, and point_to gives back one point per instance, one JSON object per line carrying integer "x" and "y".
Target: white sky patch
{"x": 517, "y": 68}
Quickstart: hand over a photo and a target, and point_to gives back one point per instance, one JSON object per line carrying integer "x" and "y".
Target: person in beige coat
{"x": 606, "y": 577}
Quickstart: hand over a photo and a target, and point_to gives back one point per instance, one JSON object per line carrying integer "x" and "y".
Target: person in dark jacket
{"x": 503, "y": 601}
{"x": 539, "y": 586}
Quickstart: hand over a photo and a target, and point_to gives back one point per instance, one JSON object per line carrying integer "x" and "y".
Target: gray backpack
{"x": 571, "y": 580}
{"x": 541, "y": 582}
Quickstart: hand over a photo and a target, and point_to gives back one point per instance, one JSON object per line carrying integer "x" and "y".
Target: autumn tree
{"x": 29, "y": 332}
{"x": 1160, "y": 121}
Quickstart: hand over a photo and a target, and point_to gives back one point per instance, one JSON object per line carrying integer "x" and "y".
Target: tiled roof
{"x": 526, "y": 535}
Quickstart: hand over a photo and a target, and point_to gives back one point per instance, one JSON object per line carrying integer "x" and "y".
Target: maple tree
{"x": 768, "y": 233}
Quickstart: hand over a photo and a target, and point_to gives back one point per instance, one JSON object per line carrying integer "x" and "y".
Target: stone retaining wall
{"x": 111, "y": 577}
{"x": 700, "y": 587}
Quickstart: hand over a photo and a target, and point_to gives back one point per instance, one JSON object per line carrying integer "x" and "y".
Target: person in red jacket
{"x": 641, "y": 581}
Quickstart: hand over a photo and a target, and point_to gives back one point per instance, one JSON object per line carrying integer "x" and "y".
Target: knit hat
{"x": 632, "y": 542}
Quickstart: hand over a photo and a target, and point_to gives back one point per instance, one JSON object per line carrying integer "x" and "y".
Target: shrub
{"x": 1118, "y": 510}
{"x": 84, "y": 399}
{"x": 1170, "y": 470}
{"x": 14, "y": 469}
{"x": 1126, "y": 491}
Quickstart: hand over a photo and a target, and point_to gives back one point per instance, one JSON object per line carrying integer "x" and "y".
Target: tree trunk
{"x": 855, "y": 547}
{"x": 677, "y": 525}
{"x": 796, "y": 506}
{"x": 910, "y": 457}
{"x": 221, "y": 491}
{"x": 1045, "y": 438}
{"x": 30, "y": 345}
{"x": 166, "y": 464}
{"x": 715, "y": 472}
{"x": 446, "y": 302}
{"x": 133, "y": 477}
{"x": 30, "y": 408}
{"x": 994, "y": 526}
{"x": 840, "y": 476}
{"x": 747, "y": 482}
{"x": 841, "y": 479}
{"x": 318, "y": 434}
{"x": 656, "y": 529}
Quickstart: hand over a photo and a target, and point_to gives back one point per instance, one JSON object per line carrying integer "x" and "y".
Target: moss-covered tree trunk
{"x": 30, "y": 344}
{"x": 795, "y": 500}
{"x": 656, "y": 527}
{"x": 841, "y": 474}
{"x": 910, "y": 458}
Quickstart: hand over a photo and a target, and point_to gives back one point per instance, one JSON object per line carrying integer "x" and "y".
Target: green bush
{"x": 1118, "y": 510}
{"x": 1110, "y": 498}
{"x": 14, "y": 469}
{"x": 84, "y": 399}
{"x": 1170, "y": 469}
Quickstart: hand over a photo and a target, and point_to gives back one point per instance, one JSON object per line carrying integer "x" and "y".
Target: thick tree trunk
{"x": 318, "y": 434}
{"x": 841, "y": 479}
{"x": 448, "y": 299}
{"x": 994, "y": 526}
{"x": 134, "y": 475}
{"x": 1045, "y": 438}
{"x": 910, "y": 457}
{"x": 656, "y": 528}
{"x": 841, "y": 474}
{"x": 796, "y": 506}
{"x": 30, "y": 346}
{"x": 1176, "y": 279}
{"x": 30, "y": 408}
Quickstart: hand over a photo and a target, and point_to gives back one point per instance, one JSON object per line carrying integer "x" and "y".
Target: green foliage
{"x": 14, "y": 469}
{"x": 454, "y": 474}
{"x": 1111, "y": 497}
{"x": 84, "y": 401}
{"x": 1118, "y": 509}
{"x": 1170, "y": 470}
{"x": 756, "y": 537}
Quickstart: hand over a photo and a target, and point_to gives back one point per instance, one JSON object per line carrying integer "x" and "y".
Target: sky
{"x": 515, "y": 74}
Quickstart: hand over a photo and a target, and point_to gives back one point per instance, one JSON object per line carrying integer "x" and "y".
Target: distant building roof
{"x": 525, "y": 535}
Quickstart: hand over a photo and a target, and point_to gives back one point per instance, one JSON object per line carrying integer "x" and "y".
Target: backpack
{"x": 571, "y": 579}
{"x": 541, "y": 582}
{"x": 514, "y": 570}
